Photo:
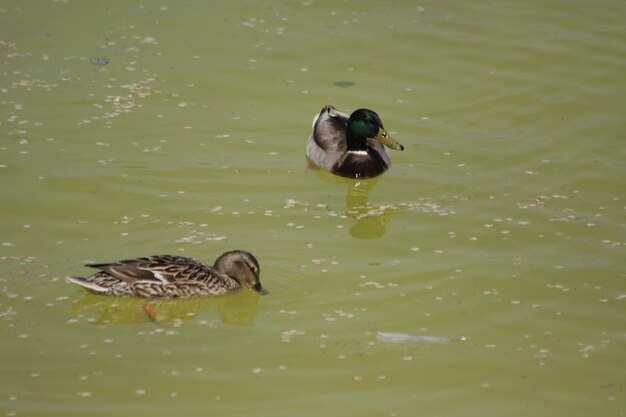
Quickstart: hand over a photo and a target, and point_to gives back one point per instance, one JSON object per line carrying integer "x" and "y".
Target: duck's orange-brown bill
{"x": 258, "y": 288}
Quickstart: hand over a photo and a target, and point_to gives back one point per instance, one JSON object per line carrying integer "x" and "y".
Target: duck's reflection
{"x": 371, "y": 220}
{"x": 239, "y": 308}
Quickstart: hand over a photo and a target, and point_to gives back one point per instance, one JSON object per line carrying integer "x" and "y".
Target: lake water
{"x": 139, "y": 128}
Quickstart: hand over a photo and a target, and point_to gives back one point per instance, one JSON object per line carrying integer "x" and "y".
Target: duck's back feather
{"x": 329, "y": 130}
{"x": 327, "y": 142}
{"x": 159, "y": 268}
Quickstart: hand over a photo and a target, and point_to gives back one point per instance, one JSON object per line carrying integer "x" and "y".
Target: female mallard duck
{"x": 166, "y": 276}
{"x": 350, "y": 146}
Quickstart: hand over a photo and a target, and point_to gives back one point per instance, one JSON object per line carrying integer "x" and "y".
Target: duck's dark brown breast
{"x": 360, "y": 165}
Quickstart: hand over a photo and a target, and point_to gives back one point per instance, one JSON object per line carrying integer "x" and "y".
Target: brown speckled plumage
{"x": 167, "y": 276}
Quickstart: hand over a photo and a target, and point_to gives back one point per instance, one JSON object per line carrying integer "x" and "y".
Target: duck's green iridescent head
{"x": 363, "y": 124}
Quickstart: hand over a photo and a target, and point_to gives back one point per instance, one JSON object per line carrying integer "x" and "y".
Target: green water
{"x": 500, "y": 227}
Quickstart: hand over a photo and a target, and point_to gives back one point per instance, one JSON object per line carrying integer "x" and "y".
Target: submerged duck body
{"x": 166, "y": 276}
{"x": 350, "y": 145}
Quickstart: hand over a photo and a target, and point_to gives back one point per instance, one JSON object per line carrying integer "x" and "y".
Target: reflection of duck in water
{"x": 350, "y": 146}
{"x": 236, "y": 309}
{"x": 371, "y": 221}
{"x": 166, "y": 276}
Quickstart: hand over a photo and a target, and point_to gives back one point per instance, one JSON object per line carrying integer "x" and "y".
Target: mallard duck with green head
{"x": 350, "y": 145}
{"x": 167, "y": 276}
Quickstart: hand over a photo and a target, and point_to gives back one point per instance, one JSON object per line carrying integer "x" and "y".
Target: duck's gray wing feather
{"x": 327, "y": 142}
{"x": 329, "y": 130}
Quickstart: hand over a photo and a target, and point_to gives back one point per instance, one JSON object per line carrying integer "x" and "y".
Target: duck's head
{"x": 363, "y": 124}
{"x": 241, "y": 266}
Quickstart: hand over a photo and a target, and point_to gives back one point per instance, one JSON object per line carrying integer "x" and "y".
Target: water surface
{"x": 132, "y": 129}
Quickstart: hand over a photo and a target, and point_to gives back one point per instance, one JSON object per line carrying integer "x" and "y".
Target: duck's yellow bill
{"x": 384, "y": 138}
